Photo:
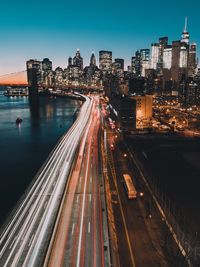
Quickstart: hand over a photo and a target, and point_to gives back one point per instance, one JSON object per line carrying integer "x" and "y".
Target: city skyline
{"x": 54, "y": 33}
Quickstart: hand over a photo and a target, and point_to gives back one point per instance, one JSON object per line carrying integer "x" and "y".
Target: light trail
{"x": 24, "y": 238}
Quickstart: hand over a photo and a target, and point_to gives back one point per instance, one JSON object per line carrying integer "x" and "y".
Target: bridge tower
{"x": 33, "y": 84}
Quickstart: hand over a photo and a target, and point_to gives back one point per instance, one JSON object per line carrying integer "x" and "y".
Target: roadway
{"x": 78, "y": 237}
{"x": 25, "y": 239}
{"x": 140, "y": 239}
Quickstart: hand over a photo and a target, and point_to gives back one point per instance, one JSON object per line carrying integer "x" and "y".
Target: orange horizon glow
{"x": 19, "y": 78}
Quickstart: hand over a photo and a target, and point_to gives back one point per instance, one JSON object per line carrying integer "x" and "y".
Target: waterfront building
{"x": 36, "y": 65}
{"x": 47, "y": 73}
{"x": 46, "y": 65}
{"x": 58, "y": 76}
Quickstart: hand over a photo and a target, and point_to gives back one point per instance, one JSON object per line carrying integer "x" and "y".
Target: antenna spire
{"x": 186, "y": 21}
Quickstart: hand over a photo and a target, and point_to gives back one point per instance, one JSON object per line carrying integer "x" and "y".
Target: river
{"x": 24, "y": 148}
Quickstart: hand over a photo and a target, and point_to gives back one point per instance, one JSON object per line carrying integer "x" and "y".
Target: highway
{"x": 140, "y": 238}
{"x": 78, "y": 239}
{"x": 25, "y": 239}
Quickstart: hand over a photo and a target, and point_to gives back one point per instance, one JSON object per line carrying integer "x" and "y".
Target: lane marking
{"x": 90, "y": 179}
{"x": 83, "y": 205}
{"x": 77, "y": 198}
{"x": 31, "y": 240}
{"x": 45, "y": 205}
{"x": 89, "y": 227}
{"x": 73, "y": 228}
{"x": 90, "y": 197}
{"x": 123, "y": 218}
{"x": 144, "y": 154}
{"x": 12, "y": 242}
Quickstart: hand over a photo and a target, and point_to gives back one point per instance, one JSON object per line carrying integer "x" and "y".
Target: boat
{"x": 16, "y": 92}
{"x": 19, "y": 120}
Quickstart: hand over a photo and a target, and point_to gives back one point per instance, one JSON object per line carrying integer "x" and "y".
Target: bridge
{"x": 19, "y": 79}
{"x": 59, "y": 221}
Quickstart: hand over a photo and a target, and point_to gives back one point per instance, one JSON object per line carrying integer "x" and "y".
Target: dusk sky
{"x": 55, "y": 29}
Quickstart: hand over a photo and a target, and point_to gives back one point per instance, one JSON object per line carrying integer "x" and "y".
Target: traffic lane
{"x": 82, "y": 190}
{"x": 140, "y": 239}
{"x": 98, "y": 256}
{"x": 90, "y": 225}
{"x": 67, "y": 226}
{"x": 144, "y": 251}
{"x": 123, "y": 248}
{"x": 74, "y": 228}
{"x": 36, "y": 209}
{"x": 37, "y": 183}
{"x": 24, "y": 234}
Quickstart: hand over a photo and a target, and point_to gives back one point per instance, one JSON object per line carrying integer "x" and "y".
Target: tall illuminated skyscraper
{"x": 78, "y": 60}
{"x": 167, "y": 57}
{"x": 185, "y": 34}
{"x": 92, "y": 60}
{"x": 105, "y": 61}
{"x": 192, "y": 60}
{"x": 46, "y": 64}
{"x": 154, "y": 55}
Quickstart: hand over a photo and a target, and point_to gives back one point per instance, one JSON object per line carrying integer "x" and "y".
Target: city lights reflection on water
{"x": 25, "y": 146}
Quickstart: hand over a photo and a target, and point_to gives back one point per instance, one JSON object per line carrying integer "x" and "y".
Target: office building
{"x": 144, "y": 105}
{"x": 163, "y": 42}
{"x": 105, "y": 61}
{"x": 167, "y": 57}
{"x": 183, "y": 59}
{"x": 185, "y": 34}
{"x": 92, "y": 60}
{"x": 154, "y": 55}
{"x": 176, "y": 47}
{"x": 78, "y": 60}
{"x": 37, "y": 65}
{"x": 120, "y": 62}
{"x": 192, "y": 60}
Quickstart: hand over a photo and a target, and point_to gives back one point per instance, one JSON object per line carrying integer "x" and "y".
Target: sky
{"x": 55, "y": 29}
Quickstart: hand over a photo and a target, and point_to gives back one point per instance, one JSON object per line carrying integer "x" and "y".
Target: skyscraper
{"x": 145, "y": 54}
{"x": 183, "y": 61}
{"x": 185, "y": 34}
{"x": 92, "y": 60}
{"x": 105, "y": 61}
{"x": 138, "y": 63}
{"x": 145, "y": 61}
{"x": 167, "y": 57}
{"x": 69, "y": 61}
{"x": 78, "y": 60}
{"x": 154, "y": 55}
{"x": 192, "y": 61}
{"x": 120, "y": 62}
{"x": 176, "y": 47}
{"x": 163, "y": 42}
{"x": 37, "y": 65}
{"x": 46, "y": 64}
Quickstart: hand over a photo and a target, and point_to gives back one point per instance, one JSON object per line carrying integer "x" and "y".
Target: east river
{"x": 24, "y": 147}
